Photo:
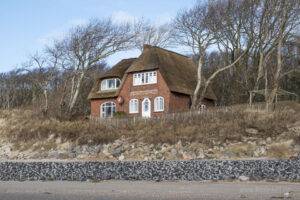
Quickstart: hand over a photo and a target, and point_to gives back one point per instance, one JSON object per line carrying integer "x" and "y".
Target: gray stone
{"x": 121, "y": 157}
{"x": 72, "y": 155}
{"x": 179, "y": 145}
{"x": 229, "y": 154}
{"x": 117, "y": 151}
{"x": 174, "y": 152}
{"x": 58, "y": 140}
{"x": 251, "y": 131}
{"x": 260, "y": 151}
{"x": 243, "y": 178}
{"x": 186, "y": 156}
{"x": 297, "y": 147}
{"x": 158, "y": 156}
{"x": 94, "y": 149}
{"x": 191, "y": 170}
{"x": 201, "y": 154}
{"x": 269, "y": 140}
{"x": 53, "y": 154}
{"x": 287, "y": 195}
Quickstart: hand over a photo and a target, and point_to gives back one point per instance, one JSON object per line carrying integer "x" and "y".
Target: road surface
{"x": 140, "y": 190}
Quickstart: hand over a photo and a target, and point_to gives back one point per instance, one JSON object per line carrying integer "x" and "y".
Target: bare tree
{"x": 147, "y": 33}
{"x": 264, "y": 29}
{"x": 229, "y": 21}
{"x": 268, "y": 29}
{"x": 287, "y": 13}
{"x": 87, "y": 45}
{"x": 42, "y": 72}
{"x": 15, "y": 89}
{"x": 193, "y": 30}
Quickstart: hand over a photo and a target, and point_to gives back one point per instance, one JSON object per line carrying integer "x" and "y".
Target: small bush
{"x": 120, "y": 114}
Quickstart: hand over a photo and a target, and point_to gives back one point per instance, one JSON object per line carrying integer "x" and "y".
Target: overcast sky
{"x": 28, "y": 25}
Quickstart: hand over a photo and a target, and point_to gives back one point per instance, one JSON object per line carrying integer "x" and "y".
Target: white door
{"x": 146, "y": 108}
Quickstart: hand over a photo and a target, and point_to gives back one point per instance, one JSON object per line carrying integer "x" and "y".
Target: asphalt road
{"x": 137, "y": 190}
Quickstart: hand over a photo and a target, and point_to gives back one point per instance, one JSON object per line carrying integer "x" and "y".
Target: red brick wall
{"x": 128, "y": 91}
{"x": 179, "y": 102}
{"x": 96, "y": 104}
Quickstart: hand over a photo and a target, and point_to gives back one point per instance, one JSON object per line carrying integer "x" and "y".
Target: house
{"x": 158, "y": 81}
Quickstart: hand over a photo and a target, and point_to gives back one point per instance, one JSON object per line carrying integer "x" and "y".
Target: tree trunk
{"x": 76, "y": 92}
{"x": 72, "y": 88}
{"x": 283, "y": 22}
{"x": 33, "y": 97}
{"x": 199, "y": 82}
{"x": 62, "y": 100}
{"x": 259, "y": 74}
{"x": 266, "y": 91}
{"x": 8, "y": 101}
{"x": 46, "y": 101}
{"x": 273, "y": 93}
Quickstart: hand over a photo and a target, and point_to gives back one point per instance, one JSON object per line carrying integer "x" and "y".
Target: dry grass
{"x": 242, "y": 150}
{"x": 216, "y": 126}
{"x": 280, "y": 151}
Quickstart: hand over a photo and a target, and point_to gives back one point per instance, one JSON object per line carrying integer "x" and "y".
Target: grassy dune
{"x": 231, "y": 125}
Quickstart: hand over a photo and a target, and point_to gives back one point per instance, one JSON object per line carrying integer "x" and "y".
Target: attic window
{"x": 110, "y": 84}
{"x": 145, "y": 78}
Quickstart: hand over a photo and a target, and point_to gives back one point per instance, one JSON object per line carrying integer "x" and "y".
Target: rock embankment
{"x": 122, "y": 149}
{"x": 194, "y": 170}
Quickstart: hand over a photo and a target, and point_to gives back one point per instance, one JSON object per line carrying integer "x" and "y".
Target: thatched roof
{"x": 119, "y": 69}
{"x": 116, "y": 71}
{"x": 179, "y": 71}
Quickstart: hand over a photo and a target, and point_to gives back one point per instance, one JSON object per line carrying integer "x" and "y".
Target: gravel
{"x": 193, "y": 170}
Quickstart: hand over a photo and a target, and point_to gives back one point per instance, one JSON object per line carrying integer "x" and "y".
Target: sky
{"x": 27, "y": 26}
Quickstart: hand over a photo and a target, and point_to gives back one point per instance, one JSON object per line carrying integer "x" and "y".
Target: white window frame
{"x": 159, "y": 104}
{"x": 145, "y": 78}
{"x": 148, "y": 113}
{"x": 105, "y": 84}
{"x": 103, "y": 114}
{"x": 133, "y": 106}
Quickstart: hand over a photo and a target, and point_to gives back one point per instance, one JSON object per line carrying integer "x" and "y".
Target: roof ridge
{"x": 160, "y": 48}
{"x": 125, "y": 59}
{"x": 118, "y": 63}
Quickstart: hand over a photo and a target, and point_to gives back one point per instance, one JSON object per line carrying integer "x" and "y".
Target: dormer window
{"x": 145, "y": 78}
{"x": 110, "y": 84}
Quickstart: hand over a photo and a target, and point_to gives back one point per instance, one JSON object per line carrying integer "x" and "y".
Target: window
{"x": 202, "y": 107}
{"x": 134, "y": 106}
{"x": 144, "y": 78}
{"x": 110, "y": 84}
{"x": 108, "y": 109}
{"x": 146, "y": 108}
{"x": 158, "y": 104}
